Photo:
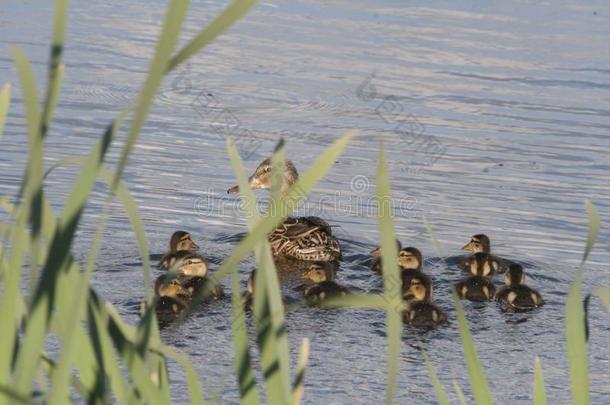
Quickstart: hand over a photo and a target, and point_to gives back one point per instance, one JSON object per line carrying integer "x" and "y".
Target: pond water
{"x": 495, "y": 117}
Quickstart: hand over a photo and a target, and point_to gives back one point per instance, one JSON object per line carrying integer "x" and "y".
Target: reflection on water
{"x": 495, "y": 118}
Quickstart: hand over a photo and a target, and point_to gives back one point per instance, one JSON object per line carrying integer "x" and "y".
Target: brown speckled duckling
{"x": 516, "y": 296}
{"x": 180, "y": 241}
{"x": 302, "y": 238}
{"x": 322, "y": 274}
{"x": 420, "y": 310}
{"x": 481, "y": 244}
{"x": 479, "y": 286}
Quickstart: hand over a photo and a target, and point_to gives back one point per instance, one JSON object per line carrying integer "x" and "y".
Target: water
{"x": 495, "y": 118}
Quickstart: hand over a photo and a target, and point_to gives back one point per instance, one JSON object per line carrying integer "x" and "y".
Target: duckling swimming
{"x": 321, "y": 273}
{"x": 169, "y": 309}
{"x": 479, "y": 286}
{"x": 190, "y": 277}
{"x": 420, "y": 310}
{"x": 480, "y": 244}
{"x": 303, "y": 238}
{"x": 180, "y": 241}
{"x": 516, "y": 296}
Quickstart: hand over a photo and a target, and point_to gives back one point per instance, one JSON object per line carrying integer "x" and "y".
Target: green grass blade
{"x": 124, "y": 337}
{"x": 576, "y": 343}
{"x": 392, "y": 282}
{"x": 594, "y": 221}
{"x": 57, "y": 261}
{"x": 5, "y": 98}
{"x": 229, "y": 16}
{"x": 170, "y": 31}
{"x": 299, "y": 379}
{"x": 31, "y": 188}
{"x": 356, "y": 301}
{"x": 603, "y": 293}
{"x": 56, "y": 69}
{"x": 441, "y": 396}
{"x": 459, "y": 393}
{"x": 435, "y": 242}
{"x": 131, "y": 210}
{"x": 539, "y": 391}
{"x": 478, "y": 381}
{"x": 268, "y": 305}
{"x": 30, "y": 99}
{"x": 245, "y": 375}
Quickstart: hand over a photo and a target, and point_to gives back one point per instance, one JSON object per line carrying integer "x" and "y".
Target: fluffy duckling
{"x": 411, "y": 262}
{"x": 420, "y": 310}
{"x": 516, "y": 296}
{"x": 480, "y": 244}
{"x": 479, "y": 286}
{"x": 377, "y": 253}
{"x": 191, "y": 276}
{"x": 169, "y": 309}
{"x": 322, "y": 274}
{"x": 180, "y": 241}
{"x": 302, "y": 238}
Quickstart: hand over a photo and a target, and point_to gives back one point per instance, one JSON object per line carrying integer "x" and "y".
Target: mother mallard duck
{"x": 303, "y": 238}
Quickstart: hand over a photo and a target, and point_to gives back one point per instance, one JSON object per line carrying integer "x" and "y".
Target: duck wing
{"x": 305, "y": 238}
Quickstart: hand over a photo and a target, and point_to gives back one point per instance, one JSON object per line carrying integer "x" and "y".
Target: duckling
{"x": 478, "y": 287}
{"x": 302, "y": 238}
{"x": 516, "y": 296}
{"x": 321, "y": 273}
{"x": 411, "y": 261}
{"x": 420, "y": 310}
{"x": 191, "y": 277}
{"x": 480, "y": 244}
{"x": 179, "y": 241}
{"x": 377, "y": 253}
{"x": 169, "y": 309}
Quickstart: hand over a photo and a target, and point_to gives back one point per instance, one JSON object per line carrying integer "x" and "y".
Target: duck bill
{"x": 376, "y": 252}
{"x": 469, "y": 247}
{"x": 254, "y": 183}
{"x": 193, "y": 246}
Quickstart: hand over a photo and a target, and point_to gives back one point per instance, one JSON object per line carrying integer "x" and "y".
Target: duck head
{"x": 478, "y": 244}
{"x": 167, "y": 287}
{"x": 410, "y": 258}
{"x": 319, "y": 272}
{"x": 420, "y": 289}
{"x": 514, "y": 275}
{"x": 189, "y": 264}
{"x": 181, "y": 240}
{"x": 262, "y": 177}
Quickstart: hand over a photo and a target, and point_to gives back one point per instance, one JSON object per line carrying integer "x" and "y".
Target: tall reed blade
{"x": 478, "y": 381}
{"x": 5, "y": 98}
{"x": 576, "y": 343}
{"x": 248, "y": 391}
{"x": 539, "y": 390}
{"x": 441, "y": 396}
{"x": 392, "y": 282}
{"x": 268, "y": 306}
